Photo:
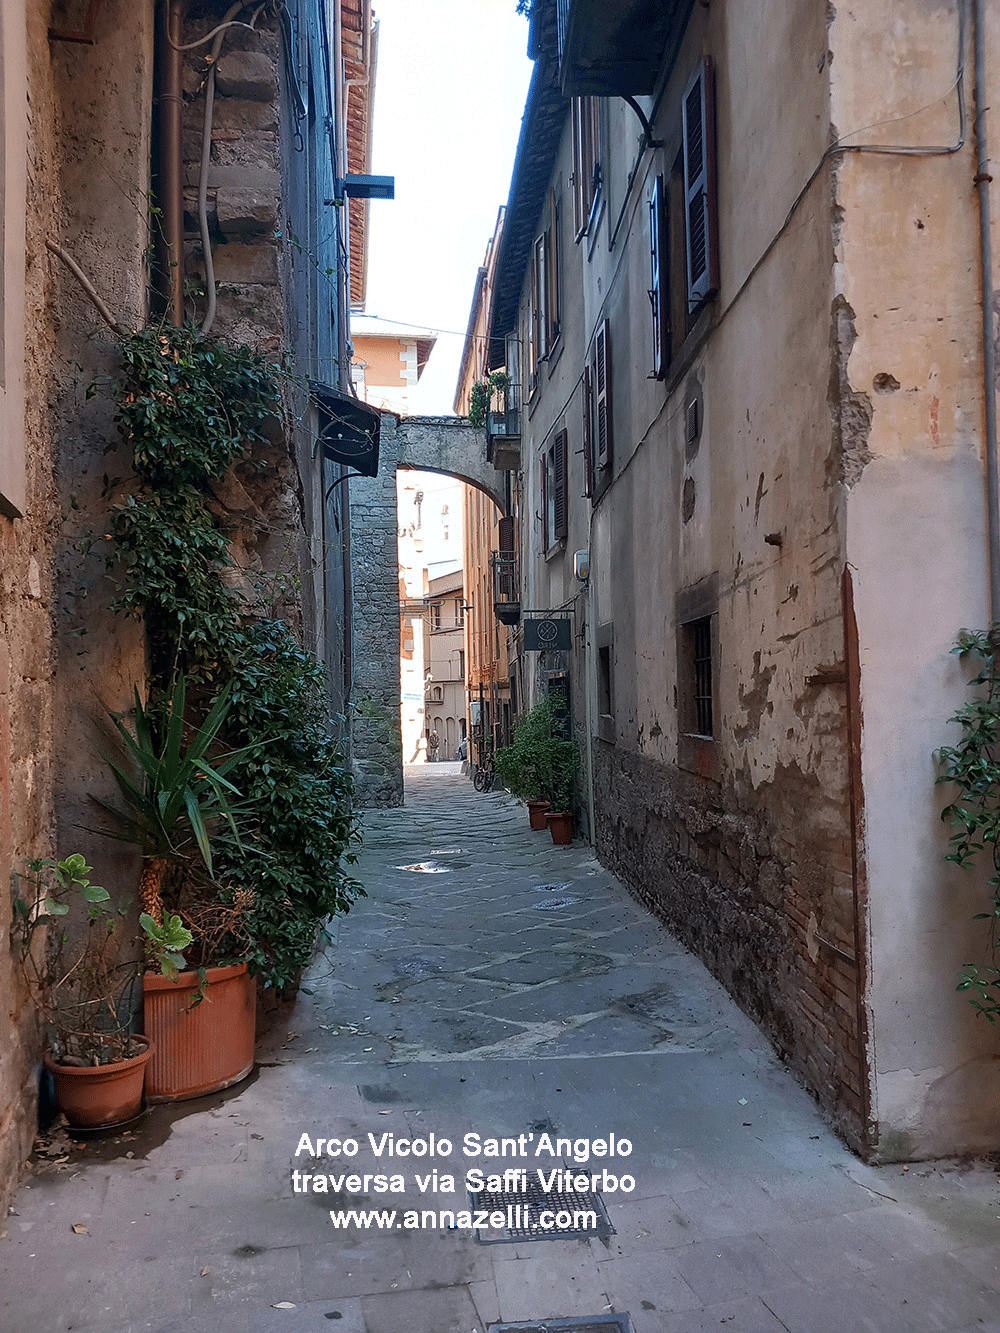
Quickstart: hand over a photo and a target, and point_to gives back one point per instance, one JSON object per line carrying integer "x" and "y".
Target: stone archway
{"x": 448, "y": 445}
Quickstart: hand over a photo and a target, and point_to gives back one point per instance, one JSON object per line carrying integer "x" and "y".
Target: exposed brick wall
{"x": 759, "y": 887}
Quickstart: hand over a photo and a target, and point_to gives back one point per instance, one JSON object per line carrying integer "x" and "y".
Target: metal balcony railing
{"x": 506, "y": 587}
{"x": 503, "y": 429}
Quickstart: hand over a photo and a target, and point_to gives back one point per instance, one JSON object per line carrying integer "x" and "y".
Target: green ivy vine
{"x": 973, "y": 765}
{"x": 189, "y": 406}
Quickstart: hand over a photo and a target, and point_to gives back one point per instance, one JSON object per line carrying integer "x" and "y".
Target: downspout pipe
{"x": 169, "y": 164}
{"x": 982, "y": 181}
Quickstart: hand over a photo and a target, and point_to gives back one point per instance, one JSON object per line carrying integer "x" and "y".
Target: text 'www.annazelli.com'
{"x": 515, "y": 1217}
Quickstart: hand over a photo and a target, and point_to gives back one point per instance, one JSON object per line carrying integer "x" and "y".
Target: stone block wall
{"x": 759, "y": 886}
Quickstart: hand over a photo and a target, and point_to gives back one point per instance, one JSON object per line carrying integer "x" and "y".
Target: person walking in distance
{"x": 433, "y": 743}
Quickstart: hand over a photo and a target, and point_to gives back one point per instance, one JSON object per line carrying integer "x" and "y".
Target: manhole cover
{"x": 598, "y": 1323}
{"x": 555, "y": 904}
{"x": 542, "y": 1206}
{"x": 425, "y": 868}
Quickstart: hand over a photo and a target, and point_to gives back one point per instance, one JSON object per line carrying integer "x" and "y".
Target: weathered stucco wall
{"x": 27, "y": 661}
{"x": 908, "y": 270}
{"x": 744, "y": 844}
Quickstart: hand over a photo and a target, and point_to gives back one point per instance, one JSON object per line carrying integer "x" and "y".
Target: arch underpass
{"x": 447, "y": 445}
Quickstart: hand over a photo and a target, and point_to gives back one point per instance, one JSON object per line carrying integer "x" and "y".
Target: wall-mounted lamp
{"x": 581, "y": 565}
{"x": 366, "y": 187}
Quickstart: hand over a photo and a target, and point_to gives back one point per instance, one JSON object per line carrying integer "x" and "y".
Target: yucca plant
{"x": 171, "y": 791}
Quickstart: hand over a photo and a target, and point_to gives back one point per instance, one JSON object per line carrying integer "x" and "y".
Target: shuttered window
{"x": 555, "y": 497}
{"x": 588, "y": 434}
{"x": 586, "y": 162}
{"x": 602, "y": 395}
{"x": 698, "y": 134}
{"x": 659, "y": 278}
{"x": 560, "y": 507}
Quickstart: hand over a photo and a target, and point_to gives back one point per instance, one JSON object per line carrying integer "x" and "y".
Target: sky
{"x": 450, "y": 86}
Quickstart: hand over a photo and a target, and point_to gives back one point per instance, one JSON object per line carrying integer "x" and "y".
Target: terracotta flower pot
{"x": 95, "y": 1095}
{"x": 536, "y": 813}
{"x": 200, "y": 1048}
{"x": 561, "y": 827}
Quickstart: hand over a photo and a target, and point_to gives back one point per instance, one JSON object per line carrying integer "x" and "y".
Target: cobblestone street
{"x": 497, "y": 986}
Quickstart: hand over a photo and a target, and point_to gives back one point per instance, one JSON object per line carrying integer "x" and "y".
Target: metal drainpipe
{"x": 171, "y": 107}
{"x": 983, "y": 179}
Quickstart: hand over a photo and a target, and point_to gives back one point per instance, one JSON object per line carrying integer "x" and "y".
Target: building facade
{"x": 739, "y": 289}
{"x": 157, "y": 170}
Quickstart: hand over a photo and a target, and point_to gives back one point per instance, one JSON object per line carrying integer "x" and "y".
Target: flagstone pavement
{"x": 495, "y": 986}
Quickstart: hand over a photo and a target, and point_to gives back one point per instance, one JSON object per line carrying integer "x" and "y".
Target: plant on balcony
{"x": 481, "y": 395}
{"x": 974, "y": 766}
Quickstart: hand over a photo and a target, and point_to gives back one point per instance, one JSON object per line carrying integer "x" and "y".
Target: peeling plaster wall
{"x": 27, "y": 656}
{"x": 908, "y": 270}
{"x": 743, "y": 845}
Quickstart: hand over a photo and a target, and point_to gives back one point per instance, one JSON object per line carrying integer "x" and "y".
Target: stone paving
{"x": 493, "y": 984}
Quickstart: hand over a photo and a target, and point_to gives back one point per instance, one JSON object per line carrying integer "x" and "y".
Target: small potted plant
{"x": 81, "y": 964}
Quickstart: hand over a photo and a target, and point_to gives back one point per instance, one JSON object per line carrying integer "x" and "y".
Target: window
{"x": 459, "y": 613}
{"x": 435, "y": 615}
{"x": 700, "y": 648}
{"x": 597, "y": 412}
{"x": 554, "y": 492}
{"x": 697, "y": 677}
{"x": 604, "y": 640}
{"x": 683, "y": 225}
{"x": 659, "y": 277}
{"x": 545, "y": 315}
{"x": 586, "y": 163}
{"x": 698, "y": 132}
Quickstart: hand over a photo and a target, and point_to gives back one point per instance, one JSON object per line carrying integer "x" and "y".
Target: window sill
{"x": 552, "y": 360}
{"x": 557, "y": 548}
{"x": 691, "y": 346}
{"x": 606, "y": 728}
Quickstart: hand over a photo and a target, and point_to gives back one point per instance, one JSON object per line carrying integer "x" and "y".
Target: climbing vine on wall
{"x": 973, "y": 765}
{"x": 189, "y": 406}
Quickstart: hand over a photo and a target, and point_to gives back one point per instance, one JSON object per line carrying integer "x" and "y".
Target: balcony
{"x": 614, "y": 48}
{"x": 503, "y": 429}
{"x": 506, "y": 587}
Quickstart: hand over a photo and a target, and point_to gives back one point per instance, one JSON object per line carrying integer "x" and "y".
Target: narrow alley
{"x": 492, "y": 986}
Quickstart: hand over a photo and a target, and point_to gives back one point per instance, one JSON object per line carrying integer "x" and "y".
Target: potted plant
{"x": 176, "y": 799}
{"x": 564, "y": 759}
{"x": 81, "y": 965}
{"x": 523, "y": 766}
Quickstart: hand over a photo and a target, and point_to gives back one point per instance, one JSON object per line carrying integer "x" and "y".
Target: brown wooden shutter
{"x": 699, "y": 185}
{"x": 659, "y": 279}
{"x": 546, "y": 535}
{"x": 560, "y": 507}
{"x": 602, "y": 394}
{"x": 537, "y": 287}
{"x": 505, "y": 536}
{"x": 588, "y": 435}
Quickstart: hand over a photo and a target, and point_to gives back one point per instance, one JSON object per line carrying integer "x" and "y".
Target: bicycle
{"x": 483, "y": 778}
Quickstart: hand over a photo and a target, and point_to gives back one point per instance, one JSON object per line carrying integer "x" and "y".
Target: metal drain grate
{"x": 598, "y": 1323}
{"x": 534, "y": 1213}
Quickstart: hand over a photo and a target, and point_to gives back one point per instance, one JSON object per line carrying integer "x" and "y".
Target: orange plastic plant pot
{"x": 536, "y": 814}
{"x": 561, "y": 827}
{"x": 95, "y": 1095}
{"x": 200, "y": 1047}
